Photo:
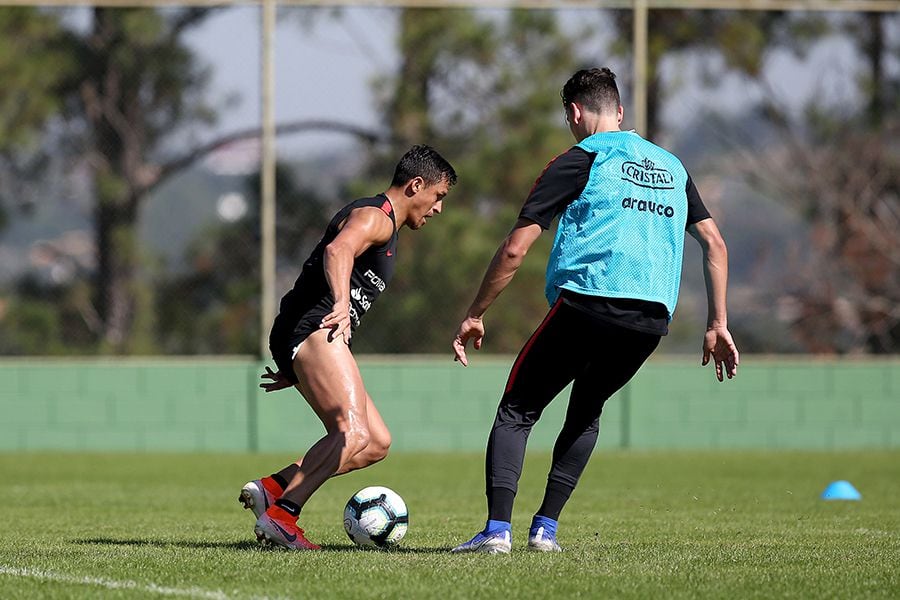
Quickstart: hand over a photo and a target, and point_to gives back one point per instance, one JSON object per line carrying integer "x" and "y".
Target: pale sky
{"x": 325, "y": 67}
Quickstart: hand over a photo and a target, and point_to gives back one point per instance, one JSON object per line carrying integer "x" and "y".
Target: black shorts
{"x": 288, "y": 333}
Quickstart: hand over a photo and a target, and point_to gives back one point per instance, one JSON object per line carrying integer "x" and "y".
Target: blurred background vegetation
{"x": 125, "y": 228}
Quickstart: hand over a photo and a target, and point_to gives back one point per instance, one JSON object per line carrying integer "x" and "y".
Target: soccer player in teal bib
{"x": 612, "y": 283}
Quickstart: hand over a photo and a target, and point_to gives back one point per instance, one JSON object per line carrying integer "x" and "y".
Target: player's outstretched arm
{"x": 717, "y": 342}
{"x": 503, "y": 267}
{"x": 364, "y": 227}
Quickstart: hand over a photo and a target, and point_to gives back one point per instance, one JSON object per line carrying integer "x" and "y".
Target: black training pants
{"x": 569, "y": 345}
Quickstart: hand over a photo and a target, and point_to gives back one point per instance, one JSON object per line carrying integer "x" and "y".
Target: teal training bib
{"x": 624, "y": 236}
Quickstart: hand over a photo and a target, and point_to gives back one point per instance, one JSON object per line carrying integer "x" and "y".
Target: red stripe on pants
{"x": 518, "y": 363}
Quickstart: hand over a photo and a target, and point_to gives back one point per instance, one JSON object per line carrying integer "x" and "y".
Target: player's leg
{"x": 570, "y": 453}
{"x": 332, "y": 385}
{"x": 548, "y": 362}
{"x": 376, "y": 450}
{"x": 620, "y": 355}
{"x": 330, "y": 381}
{"x": 259, "y": 494}
{"x": 379, "y": 442}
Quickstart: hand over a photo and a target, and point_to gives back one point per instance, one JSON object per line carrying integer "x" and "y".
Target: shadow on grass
{"x": 247, "y": 545}
{"x": 242, "y": 545}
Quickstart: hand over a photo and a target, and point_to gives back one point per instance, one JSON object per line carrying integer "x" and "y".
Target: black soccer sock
{"x": 555, "y": 497}
{"x": 500, "y": 504}
{"x": 290, "y": 507}
{"x": 279, "y": 480}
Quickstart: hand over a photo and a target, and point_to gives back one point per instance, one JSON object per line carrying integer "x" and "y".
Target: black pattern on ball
{"x": 358, "y": 507}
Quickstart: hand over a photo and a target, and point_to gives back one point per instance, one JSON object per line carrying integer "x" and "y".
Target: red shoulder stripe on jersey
{"x": 538, "y": 180}
{"x": 387, "y": 207}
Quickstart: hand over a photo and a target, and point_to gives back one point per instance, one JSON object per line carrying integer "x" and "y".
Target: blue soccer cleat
{"x": 542, "y": 541}
{"x": 498, "y": 542}
{"x": 542, "y": 535}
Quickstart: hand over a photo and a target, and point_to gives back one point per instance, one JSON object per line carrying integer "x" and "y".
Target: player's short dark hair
{"x": 595, "y": 89}
{"x": 423, "y": 161}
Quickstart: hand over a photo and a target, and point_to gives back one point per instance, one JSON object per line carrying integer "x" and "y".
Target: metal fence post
{"x": 640, "y": 66}
{"x": 267, "y": 178}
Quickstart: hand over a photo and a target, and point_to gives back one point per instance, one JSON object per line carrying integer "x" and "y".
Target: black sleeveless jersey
{"x": 372, "y": 270}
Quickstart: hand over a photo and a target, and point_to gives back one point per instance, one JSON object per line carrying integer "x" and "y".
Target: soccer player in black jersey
{"x": 612, "y": 281}
{"x": 310, "y": 340}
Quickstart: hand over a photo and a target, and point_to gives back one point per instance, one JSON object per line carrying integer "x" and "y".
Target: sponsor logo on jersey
{"x": 647, "y": 174}
{"x": 648, "y": 206}
{"x": 377, "y": 281}
{"x": 361, "y": 299}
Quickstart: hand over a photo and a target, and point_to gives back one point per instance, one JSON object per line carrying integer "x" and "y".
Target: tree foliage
{"x": 213, "y": 307}
{"x": 34, "y": 61}
{"x": 128, "y": 81}
{"x": 839, "y": 168}
{"x": 481, "y": 87}
{"x": 485, "y": 93}
{"x": 138, "y": 83}
{"x": 33, "y": 64}
{"x": 834, "y": 164}
{"x": 725, "y": 42}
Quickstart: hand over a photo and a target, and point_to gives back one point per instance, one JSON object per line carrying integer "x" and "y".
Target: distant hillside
{"x": 171, "y": 218}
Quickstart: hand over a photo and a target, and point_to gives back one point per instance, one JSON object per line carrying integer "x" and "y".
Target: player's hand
{"x": 276, "y": 382}
{"x": 338, "y": 321}
{"x": 717, "y": 343}
{"x": 471, "y": 327}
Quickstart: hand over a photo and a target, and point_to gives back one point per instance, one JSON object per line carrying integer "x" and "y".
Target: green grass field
{"x": 641, "y": 525}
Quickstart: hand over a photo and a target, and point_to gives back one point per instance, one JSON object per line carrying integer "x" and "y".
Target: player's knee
{"x": 379, "y": 446}
{"x": 513, "y": 415}
{"x": 357, "y": 439}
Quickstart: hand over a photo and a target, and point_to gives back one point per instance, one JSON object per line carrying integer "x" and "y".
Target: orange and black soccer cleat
{"x": 276, "y": 527}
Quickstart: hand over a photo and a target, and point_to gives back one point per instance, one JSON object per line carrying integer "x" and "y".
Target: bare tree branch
{"x": 155, "y": 175}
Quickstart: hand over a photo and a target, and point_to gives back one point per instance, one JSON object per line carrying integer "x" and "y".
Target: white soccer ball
{"x": 377, "y": 517}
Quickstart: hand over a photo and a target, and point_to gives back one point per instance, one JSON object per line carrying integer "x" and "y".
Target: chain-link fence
{"x": 130, "y": 160}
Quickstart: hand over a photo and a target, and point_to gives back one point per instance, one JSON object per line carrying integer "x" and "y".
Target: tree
{"x": 485, "y": 93}
{"x": 112, "y": 93}
{"x": 124, "y": 88}
{"x": 834, "y": 165}
{"x": 32, "y": 61}
{"x": 213, "y": 308}
{"x": 138, "y": 83}
{"x": 730, "y": 41}
{"x": 839, "y": 167}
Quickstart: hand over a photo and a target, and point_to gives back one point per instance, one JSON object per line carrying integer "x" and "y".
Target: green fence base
{"x": 431, "y": 403}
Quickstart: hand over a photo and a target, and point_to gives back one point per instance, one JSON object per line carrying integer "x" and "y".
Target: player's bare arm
{"x": 365, "y": 227}
{"x": 500, "y": 272}
{"x": 717, "y": 342}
